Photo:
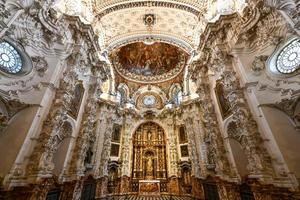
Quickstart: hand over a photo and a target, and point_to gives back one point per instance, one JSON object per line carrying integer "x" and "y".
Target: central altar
{"x": 149, "y": 187}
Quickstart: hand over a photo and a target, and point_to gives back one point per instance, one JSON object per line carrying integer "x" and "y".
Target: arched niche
{"x": 223, "y": 103}
{"x": 286, "y": 136}
{"x": 240, "y": 158}
{"x": 113, "y": 177}
{"x": 210, "y": 188}
{"x": 88, "y": 189}
{"x": 64, "y": 137}
{"x": 186, "y": 177}
{"x": 246, "y": 192}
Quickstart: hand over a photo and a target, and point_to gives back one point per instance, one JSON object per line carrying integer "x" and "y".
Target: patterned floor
{"x": 136, "y": 197}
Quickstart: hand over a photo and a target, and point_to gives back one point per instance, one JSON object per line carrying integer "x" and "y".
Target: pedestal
{"x": 149, "y": 187}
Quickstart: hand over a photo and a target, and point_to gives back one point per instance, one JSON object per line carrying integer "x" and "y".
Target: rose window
{"x": 10, "y": 59}
{"x": 288, "y": 60}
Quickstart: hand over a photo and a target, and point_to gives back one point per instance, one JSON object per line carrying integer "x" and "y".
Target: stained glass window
{"x": 10, "y": 59}
{"x": 288, "y": 60}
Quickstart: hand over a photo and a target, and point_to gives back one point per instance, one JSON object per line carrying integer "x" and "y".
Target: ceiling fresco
{"x": 150, "y": 63}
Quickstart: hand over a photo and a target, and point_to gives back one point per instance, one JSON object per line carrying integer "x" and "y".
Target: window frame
{"x": 26, "y": 67}
{"x": 271, "y": 63}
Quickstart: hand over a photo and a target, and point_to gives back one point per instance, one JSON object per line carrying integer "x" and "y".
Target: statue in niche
{"x": 149, "y": 135}
{"x": 159, "y": 137}
{"x": 138, "y": 136}
{"x": 116, "y": 133}
{"x": 88, "y": 157}
{"x": 149, "y": 168}
{"x": 222, "y": 100}
{"x": 187, "y": 177}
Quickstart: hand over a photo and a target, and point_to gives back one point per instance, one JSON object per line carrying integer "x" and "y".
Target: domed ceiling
{"x": 179, "y": 21}
{"x": 154, "y": 63}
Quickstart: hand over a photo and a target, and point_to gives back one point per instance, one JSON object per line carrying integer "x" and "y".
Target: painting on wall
{"x": 116, "y": 133}
{"x": 114, "y": 151}
{"x": 76, "y": 101}
{"x": 184, "y": 151}
{"x": 149, "y": 60}
{"x": 222, "y": 100}
{"x": 182, "y": 135}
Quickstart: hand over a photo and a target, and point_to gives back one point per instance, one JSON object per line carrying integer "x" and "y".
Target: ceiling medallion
{"x": 149, "y": 20}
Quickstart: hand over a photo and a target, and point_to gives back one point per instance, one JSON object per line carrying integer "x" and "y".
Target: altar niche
{"x": 149, "y": 153}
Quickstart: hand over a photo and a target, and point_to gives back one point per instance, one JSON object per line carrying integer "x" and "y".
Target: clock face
{"x": 149, "y": 100}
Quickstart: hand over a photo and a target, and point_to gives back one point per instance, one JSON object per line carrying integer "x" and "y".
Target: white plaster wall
{"x": 286, "y": 136}
{"x": 13, "y": 138}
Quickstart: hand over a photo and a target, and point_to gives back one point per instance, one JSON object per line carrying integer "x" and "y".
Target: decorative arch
{"x": 148, "y": 88}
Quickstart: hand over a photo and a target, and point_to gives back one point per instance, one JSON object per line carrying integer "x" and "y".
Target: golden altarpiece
{"x": 149, "y": 157}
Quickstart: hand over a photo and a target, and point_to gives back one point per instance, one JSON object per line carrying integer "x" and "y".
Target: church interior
{"x": 149, "y": 99}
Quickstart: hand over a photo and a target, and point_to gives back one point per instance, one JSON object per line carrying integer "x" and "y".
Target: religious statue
{"x": 149, "y": 135}
{"x": 149, "y": 167}
{"x": 159, "y": 137}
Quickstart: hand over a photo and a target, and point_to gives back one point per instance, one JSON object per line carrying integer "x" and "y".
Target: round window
{"x": 288, "y": 60}
{"x": 149, "y": 100}
{"x": 10, "y": 59}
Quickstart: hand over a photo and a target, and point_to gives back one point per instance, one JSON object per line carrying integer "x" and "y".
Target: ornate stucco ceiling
{"x": 177, "y": 21}
{"x": 177, "y": 24}
{"x": 129, "y": 22}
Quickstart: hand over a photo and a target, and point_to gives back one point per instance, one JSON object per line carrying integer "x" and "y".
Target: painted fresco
{"x": 149, "y": 60}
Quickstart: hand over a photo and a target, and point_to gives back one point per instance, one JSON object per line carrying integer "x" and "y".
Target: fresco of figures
{"x": 149, "y": 60}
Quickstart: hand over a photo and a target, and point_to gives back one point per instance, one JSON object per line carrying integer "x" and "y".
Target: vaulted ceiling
{"x": 176, "y": 21}
{"x": 148, "y": 42}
